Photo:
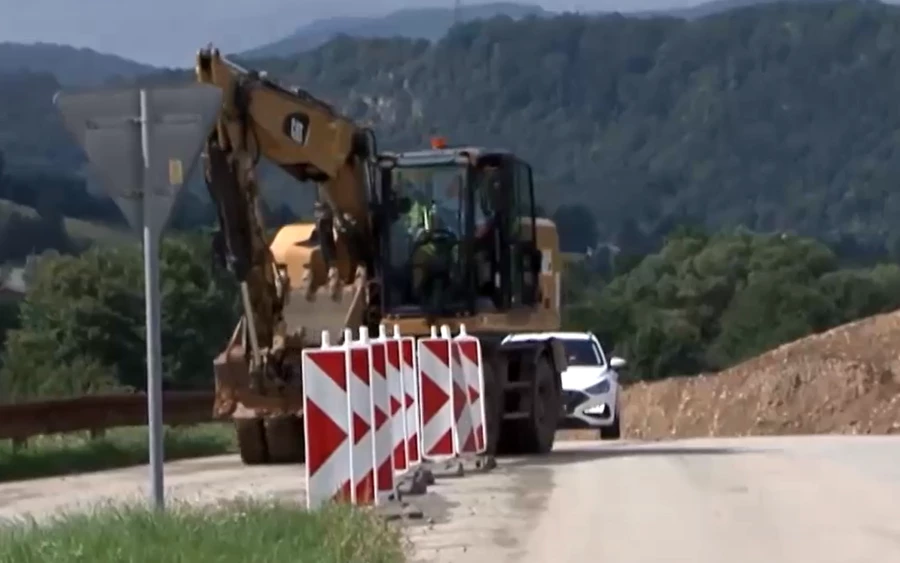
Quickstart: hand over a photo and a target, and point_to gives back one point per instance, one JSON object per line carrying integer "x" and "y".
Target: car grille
{"x": 571, "y": 400}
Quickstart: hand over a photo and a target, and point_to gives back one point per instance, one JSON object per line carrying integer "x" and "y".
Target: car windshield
{"x": 581, "y": 353}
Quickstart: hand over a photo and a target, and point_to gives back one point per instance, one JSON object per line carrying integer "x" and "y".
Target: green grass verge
{"x": 62, "y": 454}
{"x": 232, "y": 532}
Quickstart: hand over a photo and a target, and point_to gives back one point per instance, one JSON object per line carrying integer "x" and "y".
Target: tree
{"x": 704, "y": 302}
{"x": 23, "y": 235}
{"x": 577, "y": 228}
{"x": 9, "y": 319}
{"x": 90, "y": 309}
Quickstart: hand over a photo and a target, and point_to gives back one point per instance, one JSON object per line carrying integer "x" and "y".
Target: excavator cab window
{"x": 487, "y": 189}
{"x": 460, "y": 236}
{"x": 526, "y": 257}
{"x": 506, "y": 192}
{"x": 424, "y": 271}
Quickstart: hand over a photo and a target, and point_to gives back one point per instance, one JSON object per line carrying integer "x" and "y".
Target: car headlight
{"x": 598, "y": 388}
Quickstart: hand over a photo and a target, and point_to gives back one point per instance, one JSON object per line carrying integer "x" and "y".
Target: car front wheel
{"x": 613, "y": 431}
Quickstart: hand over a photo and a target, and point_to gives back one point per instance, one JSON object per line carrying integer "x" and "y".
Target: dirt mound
{"x": 846, "y": 380}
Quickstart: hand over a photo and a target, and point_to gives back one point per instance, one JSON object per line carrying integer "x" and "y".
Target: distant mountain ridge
{"x": 86, "y": 67}
{"x": 433, "y": 23}
{"x": 718, "y": 6}
{"x": 70, "y": 66}
{"x": 416, "y": 23}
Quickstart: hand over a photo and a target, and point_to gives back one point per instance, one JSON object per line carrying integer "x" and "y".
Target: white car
{"x": 590, "y": 384}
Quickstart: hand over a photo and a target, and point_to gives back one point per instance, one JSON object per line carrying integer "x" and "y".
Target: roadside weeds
{"x": 65, "y": 454}
{"x": 236, "y": 531}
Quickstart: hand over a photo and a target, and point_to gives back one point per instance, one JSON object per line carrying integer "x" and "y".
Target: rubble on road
{"x": 845, "y": 380}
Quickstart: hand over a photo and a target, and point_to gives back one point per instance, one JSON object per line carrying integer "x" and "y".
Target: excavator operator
{"x": 486, "y": 248}
{"x": 425, "y": 237}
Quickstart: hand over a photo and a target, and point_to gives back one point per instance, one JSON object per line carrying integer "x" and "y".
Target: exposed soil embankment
{"x": 846, "y": 380}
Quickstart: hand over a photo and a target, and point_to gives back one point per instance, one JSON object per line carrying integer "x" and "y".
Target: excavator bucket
{"x": 329, "y": 309}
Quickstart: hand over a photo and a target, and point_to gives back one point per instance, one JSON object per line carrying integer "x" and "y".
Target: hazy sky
{"x": 168, "y": 32}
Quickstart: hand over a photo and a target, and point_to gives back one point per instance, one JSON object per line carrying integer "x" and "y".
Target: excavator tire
{"x": 494, "y": 378}
{"x": 251, "y": 440}
{"x": 285, "y": 439}
{"x": 536, "y": 434}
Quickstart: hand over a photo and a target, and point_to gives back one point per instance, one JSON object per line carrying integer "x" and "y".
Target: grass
{"x": 239, "y": 531}
{"x": 63, "y": 454}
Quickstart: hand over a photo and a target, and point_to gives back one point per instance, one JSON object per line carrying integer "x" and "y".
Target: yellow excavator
{"x": 444, "y": 235}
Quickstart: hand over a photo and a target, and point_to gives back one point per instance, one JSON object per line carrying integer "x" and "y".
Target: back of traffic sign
{"x": 181, "y": 122}
{"x": 107, "y": 127}
{"x": 142, "y": 143}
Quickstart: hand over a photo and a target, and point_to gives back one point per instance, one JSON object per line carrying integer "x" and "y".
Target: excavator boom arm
{"x": 309, "y": 140}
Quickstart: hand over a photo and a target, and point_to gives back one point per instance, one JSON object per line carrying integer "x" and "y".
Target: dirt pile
{"x": 846, "y": 380}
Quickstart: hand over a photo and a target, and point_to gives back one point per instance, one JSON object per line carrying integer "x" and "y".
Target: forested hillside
{"x": 776, "y": 117}
{"x": 705, "y": 302}
{"x": 700, "y": 155}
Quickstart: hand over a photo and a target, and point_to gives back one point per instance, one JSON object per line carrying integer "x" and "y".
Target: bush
{"x": 703, "y": 303}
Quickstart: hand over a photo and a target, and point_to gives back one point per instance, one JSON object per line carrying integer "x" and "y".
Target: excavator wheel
{"x": 251, "y": 440}
{"x": 285, "y": 439}
{"x": 537, "y": 432}
{"x": 534, "y": 434}
{"x": 494, "y": 379}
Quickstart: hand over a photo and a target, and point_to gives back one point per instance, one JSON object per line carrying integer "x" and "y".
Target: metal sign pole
{"x": 153, "y": 321}
{"x": 154, "y": 364}
{"x": 143, "y": 144}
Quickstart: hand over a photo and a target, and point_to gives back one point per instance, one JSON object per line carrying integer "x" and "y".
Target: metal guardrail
{"x": 97, "y": 413}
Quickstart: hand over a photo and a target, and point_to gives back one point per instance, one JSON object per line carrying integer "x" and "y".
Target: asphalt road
{"x": 791, "y": 499}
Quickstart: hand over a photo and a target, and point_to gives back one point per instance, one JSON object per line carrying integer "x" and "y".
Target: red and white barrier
{"x": 435, "y": 388}
{"x": 463, "y": 428}
{"x": 411, "y": 401}
{"x": 361, "y": 419}
{"x": 375, "y": 409}
{"x": 397, "y": 404}
{"x": 384, "y": 471}
{"x": 326, "y": 423}
{"x": 473, "y": 368}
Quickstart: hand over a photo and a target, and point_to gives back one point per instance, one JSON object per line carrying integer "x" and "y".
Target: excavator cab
{"x": 460, "y": 234}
